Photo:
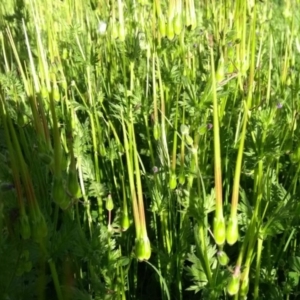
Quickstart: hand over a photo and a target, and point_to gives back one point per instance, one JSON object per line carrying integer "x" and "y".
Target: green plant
{"x": 149, "y": 149}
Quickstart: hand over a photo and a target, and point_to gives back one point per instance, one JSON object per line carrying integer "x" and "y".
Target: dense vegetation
{"x": 149, "y": 149}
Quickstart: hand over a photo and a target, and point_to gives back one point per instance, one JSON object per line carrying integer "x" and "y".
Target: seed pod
{"x": 223, "y": 258}
{"x": 59, "y": 195}
{"x": 73, "y": 185}
{"x": 156, "y": 131}
{"x": 20, "y": 118}
{"x": 177, "y": 24}
{"x": 44, "y": 92}
{"x": 56, "y": 94}
{"x": 245, "y": 66}
{"x": 121, "y": 32}
{"x": 184, "y": 129}
{"x": 172, "y": 181}
{"x": 125, "y": 222}
{"x": 181, "y": 178}
{"x": 24, "y": 265}
{"x": 190, "y": 180}
{"x": 189, "y": 140}
{"x": 25, "y": 229}
{"x": 38, "y": 226}
{"x": 187, "y": 19}
{"x": 102, "y": 149}
{"x": 244, "y": 288}
{"x": 232, "y": 231}
{"x": 142, "y": 248}
{"x": 115, "y": 31}
{"x": 109, "y": 203}
{"x": 220, "y": 74}
{"x": 219, "y": 231}
{"x": 190, "y": 17}
{"x": 64, "y": 84}
{"x": 233, "y": 285}
{"x": 162, "y": 25}
{"x": 170, "y": 29}
{"x": 65, "y": 54}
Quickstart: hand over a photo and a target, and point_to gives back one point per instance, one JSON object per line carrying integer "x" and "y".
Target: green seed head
{"x": 65, "y": 54}
{"x": 39, "y": 227}
{"x": 25, "y": 230}
{"x": 181, "y": 178}
{"x": 44, "y": 92}
{"x": 244, "y": 288}
{"x": 170, "y": 30}
{"x": 162, "y": 26}
{"x": 102, "y": 149}
{"x": 20, "y": 119}
{"x": 56, "y": 94}
{"x": 121, "y": 32}
{"x": 223, "y": 258}
{"x": 109, "y": 203}
{"x": 73, "y": 185}
{"x": 233, "y": 285}
{"x": 125, "y": 222}
{"x": 156, "y": 131}
{"x": 177, "y": 23}
{"x": 59, "y": 195}
{"x": 142, "y": 248}
{"x": 184, "y": 129}
{"x": 172, "y": 182}
{"x": 190, "y": 20}
{"x": 24, "y": 265}
{"x": 232, "y": 231}
{"x": 189, "y": 140}
{"x": 220, "y": 74}
{"x": 114, "y": 31}
{"x": 219, "y": 231}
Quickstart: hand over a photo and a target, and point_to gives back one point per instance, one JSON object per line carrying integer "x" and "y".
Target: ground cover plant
{"x": 149, "y": 149}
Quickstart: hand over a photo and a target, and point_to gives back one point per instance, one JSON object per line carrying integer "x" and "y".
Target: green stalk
{"x": 257, "y": 268}
{"x": 156, "y": 129}
{"x": 38, "y": 124}
{"x": 144, "y": 243}
{"x": 55, "y": 131}
{"x": 58, "y": 192}
{"x": 171, "y": 14}
{"x": 72, "y": 183}
{"x": 219, "y": 222}
{"x": 96, "y": 137}
{"x": 125, "y": 222}
{"x": 161, "y": 20}
{"x": 232, "y": 233}
{"x": 163, "y": 128}
{"x": 25, "y": 226}
{"x": 172, "y": 181}
{"x": 244, "y": 282}
{"x": 202, "y": 224}
{"x": 182, "y": 152}
{"x": 128, "y": 153}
